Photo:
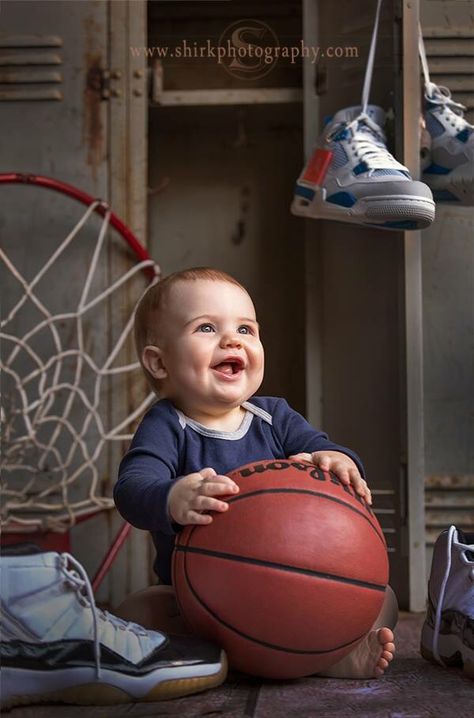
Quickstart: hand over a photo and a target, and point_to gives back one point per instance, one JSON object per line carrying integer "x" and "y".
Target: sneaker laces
{"x": 439, "y": 94}
{"x": 369, "y": 139}
{"x": 78, "y": 579}
{"x": 439, "y": 607}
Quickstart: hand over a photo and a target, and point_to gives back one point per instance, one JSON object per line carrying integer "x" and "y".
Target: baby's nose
{"x": 231, "y": 340}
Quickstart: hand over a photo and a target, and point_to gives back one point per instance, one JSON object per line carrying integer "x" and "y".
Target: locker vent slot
{"x": 385, "y": 511}
{"x": 448, "y": 500}
{"x": 30, "y": 68}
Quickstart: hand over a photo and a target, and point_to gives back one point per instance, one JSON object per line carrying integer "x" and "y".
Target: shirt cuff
{"x": 165, "y": 523}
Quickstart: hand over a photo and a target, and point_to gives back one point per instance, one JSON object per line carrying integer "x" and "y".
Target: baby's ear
{"x": 152, "y": 360}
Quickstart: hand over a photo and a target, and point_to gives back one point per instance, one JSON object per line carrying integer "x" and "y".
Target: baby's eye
{"x": 205, "y": 328}
{"x": 245, "y": 329}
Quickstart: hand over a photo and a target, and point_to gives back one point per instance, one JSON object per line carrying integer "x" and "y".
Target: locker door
{"x": 448, "y": 289}
{"x": 74, "y": 107}
{"x": 364, "y": 373}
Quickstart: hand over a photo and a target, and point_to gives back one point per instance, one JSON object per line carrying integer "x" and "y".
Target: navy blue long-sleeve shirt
{"x": 168, "y": 445}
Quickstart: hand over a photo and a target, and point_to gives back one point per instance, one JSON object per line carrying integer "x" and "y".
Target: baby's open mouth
{"x": 229, "y": 366}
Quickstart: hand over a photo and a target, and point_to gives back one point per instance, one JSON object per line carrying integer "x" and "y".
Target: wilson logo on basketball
{"x": 313, "y": 471}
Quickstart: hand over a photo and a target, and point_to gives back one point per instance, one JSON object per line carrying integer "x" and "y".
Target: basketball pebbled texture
{"x": 290, "y": 578}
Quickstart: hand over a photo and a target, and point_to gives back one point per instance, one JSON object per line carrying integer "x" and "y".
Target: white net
{"x": 68, "y": 377}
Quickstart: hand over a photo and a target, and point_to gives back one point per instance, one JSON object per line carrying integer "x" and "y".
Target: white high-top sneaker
{"x": 352, "y": 177}
{"x": 448, "y": 632}
{"x": 449, "y": 167}
{"x": 56, "y": 645}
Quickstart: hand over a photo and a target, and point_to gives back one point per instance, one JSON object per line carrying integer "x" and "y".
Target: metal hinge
{"x": 104, "y": 81}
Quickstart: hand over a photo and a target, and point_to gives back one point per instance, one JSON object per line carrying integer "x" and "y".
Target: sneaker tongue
{"x": 350, "y": 113}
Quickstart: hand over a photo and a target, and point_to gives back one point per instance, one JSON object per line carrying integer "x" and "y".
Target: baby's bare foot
{"x": 369, "y": 659}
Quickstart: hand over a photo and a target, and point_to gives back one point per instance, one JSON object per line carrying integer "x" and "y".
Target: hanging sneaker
{"x": 57, "y": 646}
{"x": 447, "y": 637}
{"x": 449, "y": 167}
{"x": 352, "y": 177}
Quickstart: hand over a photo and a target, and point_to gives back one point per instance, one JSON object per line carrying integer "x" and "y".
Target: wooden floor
{"x": 412, "y": 688}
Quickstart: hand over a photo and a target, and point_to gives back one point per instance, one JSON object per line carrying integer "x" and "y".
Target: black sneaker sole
{"x": 102, "y": 693}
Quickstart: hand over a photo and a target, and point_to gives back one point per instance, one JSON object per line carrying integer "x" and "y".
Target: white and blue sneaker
{"x": 448, "y": 168}
{"x": 57, "y": 646}
{"x": 352, "y": 177}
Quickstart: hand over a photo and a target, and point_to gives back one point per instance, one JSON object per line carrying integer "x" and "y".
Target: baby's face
{"x": 211, "y": 348}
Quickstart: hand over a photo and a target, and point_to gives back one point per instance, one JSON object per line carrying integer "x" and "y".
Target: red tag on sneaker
{"x": 317, "y": 167}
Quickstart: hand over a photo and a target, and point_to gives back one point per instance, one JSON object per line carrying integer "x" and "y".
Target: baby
{"x": 198, "y": 341}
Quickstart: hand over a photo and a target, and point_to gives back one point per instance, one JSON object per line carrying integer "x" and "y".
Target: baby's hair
{"x": 148, "y": 310}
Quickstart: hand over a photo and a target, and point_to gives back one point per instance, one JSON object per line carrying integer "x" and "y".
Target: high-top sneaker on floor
{"x": 448, "y": 168}
{"x": 352, "y": 177}
{"x": 57, "y": 646}
{"x": 448, "y": 632}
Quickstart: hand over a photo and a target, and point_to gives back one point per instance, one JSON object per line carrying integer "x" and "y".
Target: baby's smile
{"x": 230, "y": 366}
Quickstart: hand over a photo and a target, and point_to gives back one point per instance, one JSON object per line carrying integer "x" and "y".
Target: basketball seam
{"x": 311, "y": 493}
{"x": 281, "y": 567}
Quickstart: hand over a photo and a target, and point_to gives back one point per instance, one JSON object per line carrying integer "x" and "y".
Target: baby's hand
{"x": 192, "y": 494}
{"x": 342, "y": 465}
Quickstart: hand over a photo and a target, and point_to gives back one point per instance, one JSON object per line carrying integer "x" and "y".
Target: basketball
{"x": 290, "y": 578}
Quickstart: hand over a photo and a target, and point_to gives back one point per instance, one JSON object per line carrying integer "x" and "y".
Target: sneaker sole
{"x": 452, "y": 651}
{"x": 392, "y": 212}
{"x": 78, "y": 688}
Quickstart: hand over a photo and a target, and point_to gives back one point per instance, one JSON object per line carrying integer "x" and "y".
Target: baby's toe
{"x": 384, "y": 636}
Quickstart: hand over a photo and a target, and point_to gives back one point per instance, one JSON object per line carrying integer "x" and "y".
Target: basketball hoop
{"x": 66, "y": 336}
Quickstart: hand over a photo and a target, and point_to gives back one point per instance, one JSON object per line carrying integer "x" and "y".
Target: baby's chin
{"x": 235, "y": 396}
{"x": 225, "y": 397}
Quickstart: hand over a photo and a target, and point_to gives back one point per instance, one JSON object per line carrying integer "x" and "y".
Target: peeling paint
{"x": 93, "y": 131}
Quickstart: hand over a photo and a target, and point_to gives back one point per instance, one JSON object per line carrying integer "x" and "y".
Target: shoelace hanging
{"x": 79, "y": 580}
{"x": 369, "y": 71}
{"x": 374, "y": 153}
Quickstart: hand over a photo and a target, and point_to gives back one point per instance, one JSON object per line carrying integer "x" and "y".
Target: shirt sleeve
{"x": 297, "y": 435}
{"x": 148, "y": 471}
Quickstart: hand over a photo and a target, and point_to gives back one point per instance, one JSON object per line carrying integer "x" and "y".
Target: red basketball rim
{"x": 102, "y": 208}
